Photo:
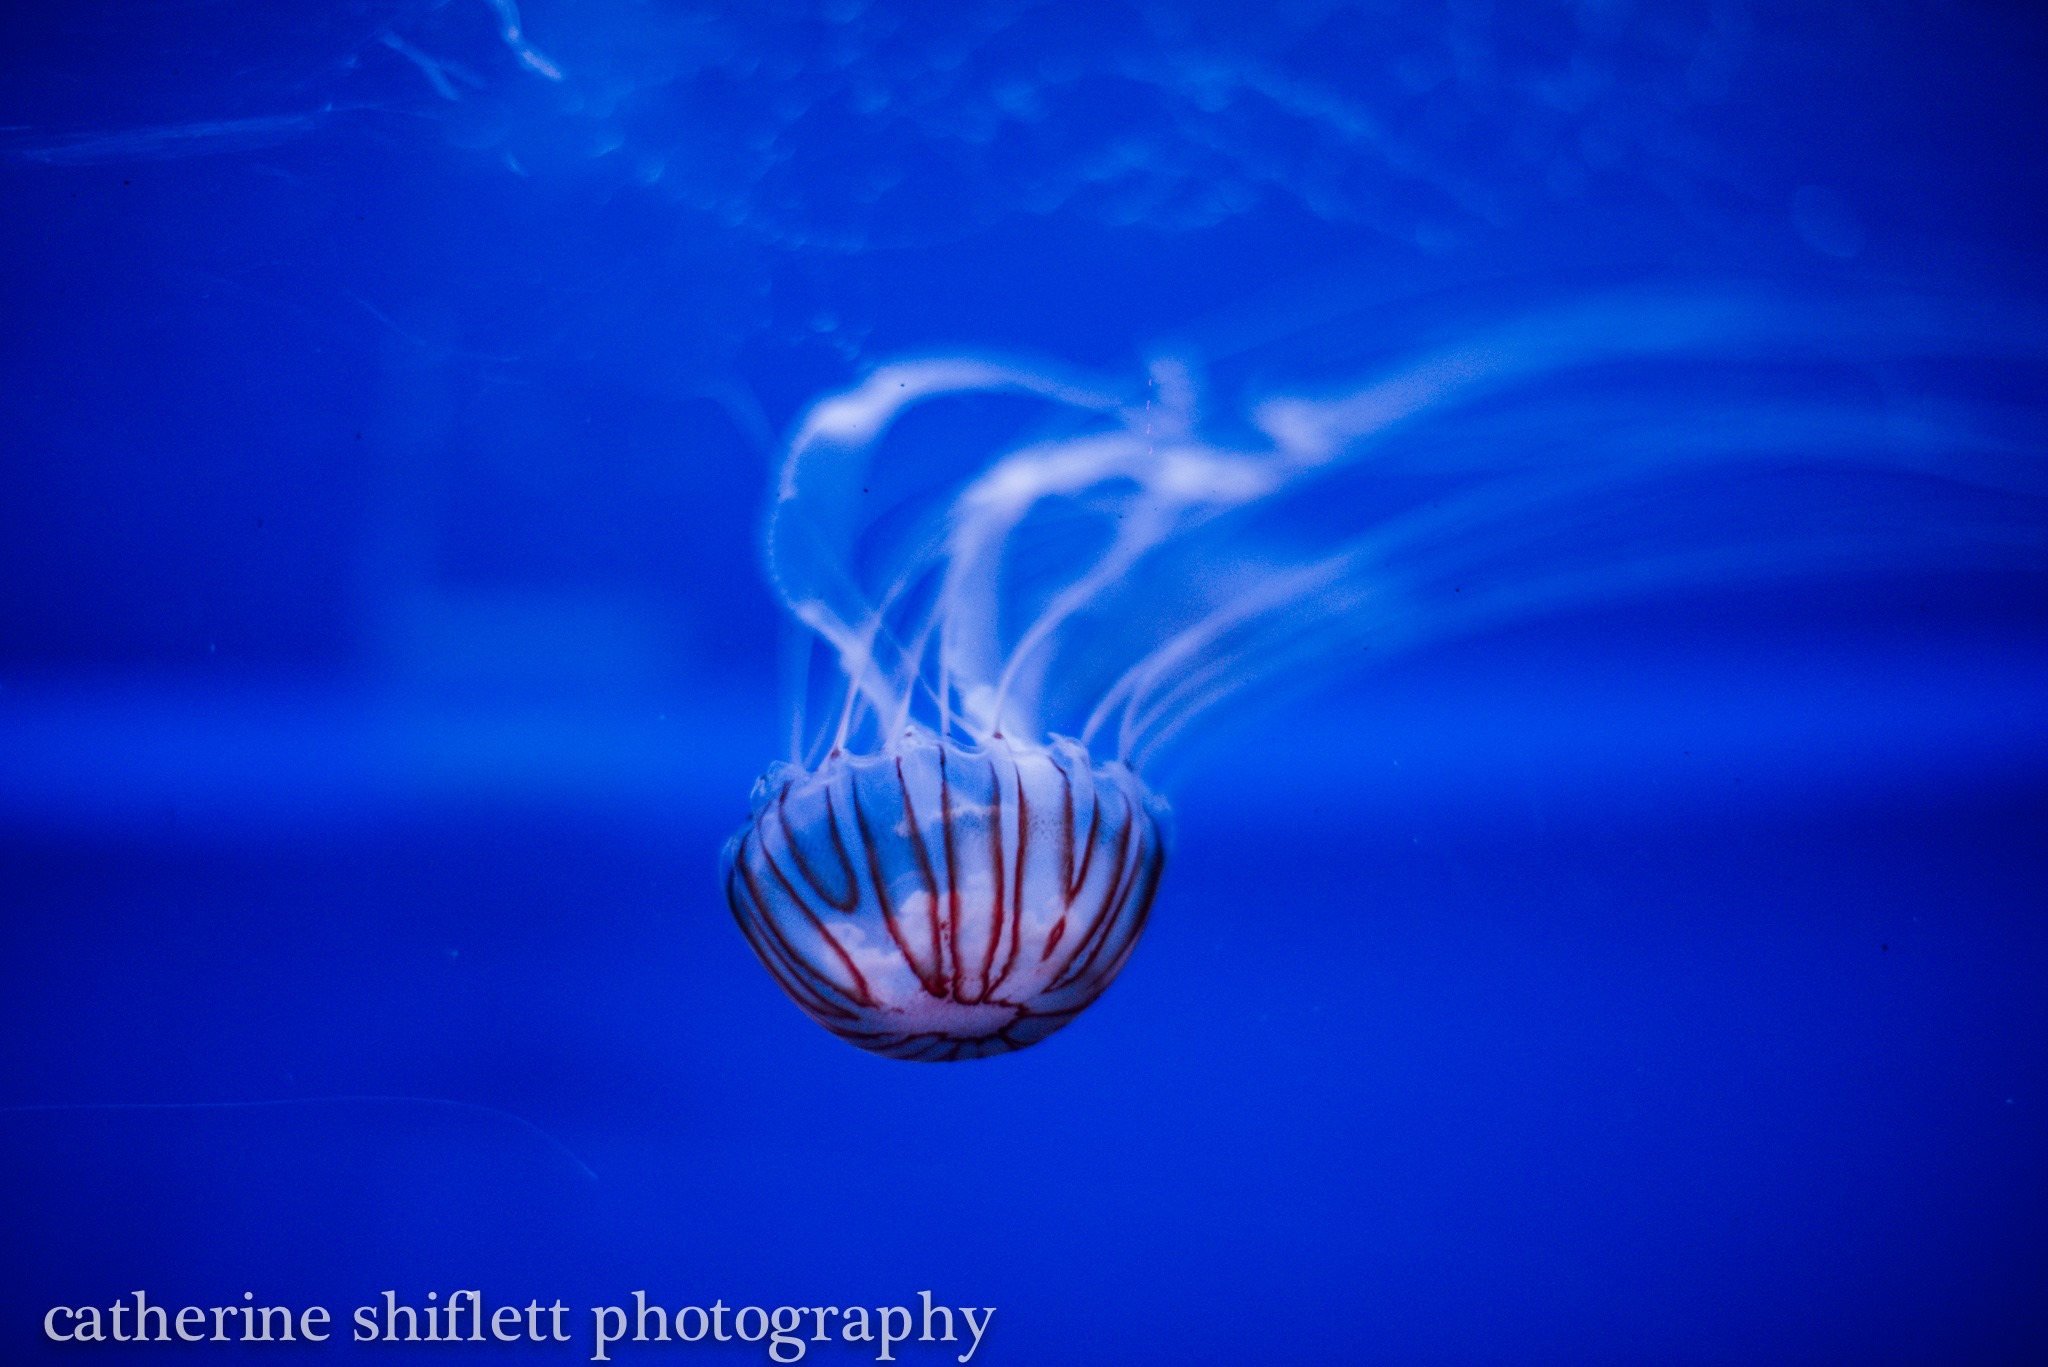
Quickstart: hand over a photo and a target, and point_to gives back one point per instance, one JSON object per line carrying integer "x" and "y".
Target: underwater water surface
{"x": 1553, "y": 499}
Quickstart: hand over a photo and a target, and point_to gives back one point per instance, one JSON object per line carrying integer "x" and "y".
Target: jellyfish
{"x": 1018, "y": 586}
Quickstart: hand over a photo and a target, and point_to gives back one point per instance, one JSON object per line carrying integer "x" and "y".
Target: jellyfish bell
{"x": 940, "y": 901}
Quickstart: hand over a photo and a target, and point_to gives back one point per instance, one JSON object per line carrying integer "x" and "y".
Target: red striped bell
{"x": 939, "y": 901}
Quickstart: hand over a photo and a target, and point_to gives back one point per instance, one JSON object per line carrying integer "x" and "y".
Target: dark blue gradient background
{"x": 384, "y": 656}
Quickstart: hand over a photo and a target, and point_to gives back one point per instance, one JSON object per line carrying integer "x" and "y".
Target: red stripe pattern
{"x": 942, "y": 902}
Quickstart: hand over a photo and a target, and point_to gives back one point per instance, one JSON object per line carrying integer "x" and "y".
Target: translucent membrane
{"x": 984, "y": 548}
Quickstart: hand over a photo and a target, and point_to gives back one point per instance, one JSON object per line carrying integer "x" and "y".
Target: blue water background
{"x": 384, "y": 427}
